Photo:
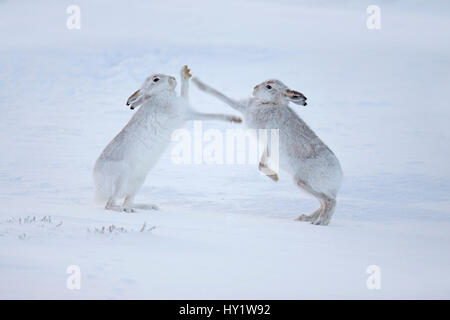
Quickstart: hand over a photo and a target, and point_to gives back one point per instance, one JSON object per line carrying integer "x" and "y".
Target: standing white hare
{"x": 121, "y": 169}
{"x": 302, "y": 154}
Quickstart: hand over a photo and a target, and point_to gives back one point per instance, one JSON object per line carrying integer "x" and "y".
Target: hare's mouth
{"x": 300, "y": 102}
{"x": 303, "y": 101}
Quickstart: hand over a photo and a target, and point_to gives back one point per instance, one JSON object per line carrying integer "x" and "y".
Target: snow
{"x": 376, "y": 97}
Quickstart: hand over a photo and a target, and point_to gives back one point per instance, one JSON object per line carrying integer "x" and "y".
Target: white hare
{"x": 122, "y": 167}
{"x": 302, "y": 154}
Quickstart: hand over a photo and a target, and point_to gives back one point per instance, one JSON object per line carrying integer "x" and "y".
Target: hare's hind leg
{"x": 327, "y": 212}
{"x": 112, "y": 205}
{"x": 319, "y": 214}
{"x": 120, "y": 186}
{"x": 134, "y": 185}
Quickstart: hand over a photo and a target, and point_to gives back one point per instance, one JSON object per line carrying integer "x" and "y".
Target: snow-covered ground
{"x": 378, "y": 98}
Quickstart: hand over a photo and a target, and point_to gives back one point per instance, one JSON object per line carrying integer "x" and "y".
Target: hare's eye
{"x": 156, "y": 80}
{"x": 269, "y": 87}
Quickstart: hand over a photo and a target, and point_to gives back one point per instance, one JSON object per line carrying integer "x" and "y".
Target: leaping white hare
{"x": 302, "y": 154}
{"x": 121, "y": 169}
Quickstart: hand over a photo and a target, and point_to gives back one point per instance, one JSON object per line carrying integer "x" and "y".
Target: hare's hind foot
{"x": 310, "y": 217}
{"x": 327, "y": 212}
{"x": 111, "y": 205}
{"x": 144, "y": 206}
{"x": 129, "y": 203}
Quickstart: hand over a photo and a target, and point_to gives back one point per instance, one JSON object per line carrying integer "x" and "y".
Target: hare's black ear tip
{"x": 131, "y": 107}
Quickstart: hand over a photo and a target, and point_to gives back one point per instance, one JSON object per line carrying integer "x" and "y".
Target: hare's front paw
{"x": 185, "y": 73}
{"x": 235, "y": 119}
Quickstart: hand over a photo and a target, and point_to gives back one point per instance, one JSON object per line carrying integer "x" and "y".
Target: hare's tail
{"x": 99, "y": 197}
{"x": 101, "y": 190}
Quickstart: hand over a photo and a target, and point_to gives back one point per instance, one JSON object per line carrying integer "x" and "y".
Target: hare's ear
{"x": 136, "y": 99}
{"x": 295, "y": 97}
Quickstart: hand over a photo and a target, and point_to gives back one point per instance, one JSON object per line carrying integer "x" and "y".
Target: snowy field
{"x": 378, "y": 98}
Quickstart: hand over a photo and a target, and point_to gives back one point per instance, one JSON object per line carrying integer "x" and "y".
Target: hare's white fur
{"x": 302, "y": 153}
{"x": 122, "y": 167}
